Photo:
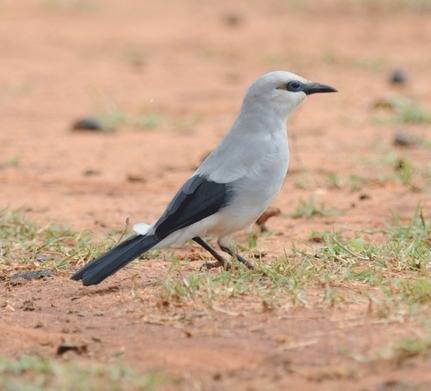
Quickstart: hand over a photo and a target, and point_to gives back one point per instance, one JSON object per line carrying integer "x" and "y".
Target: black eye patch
{"x": 294, "y": 86}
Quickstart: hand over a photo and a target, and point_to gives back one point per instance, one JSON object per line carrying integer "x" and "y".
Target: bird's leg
{"x": 221, "y": 262}
{"x": 229, "y": 251}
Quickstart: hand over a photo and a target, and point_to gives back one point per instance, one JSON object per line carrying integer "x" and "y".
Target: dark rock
{"x": 398, "y": 76}
{"x": 91, "y": 172}
{"x": 404, "y": 139}
{"x": 217, "y": 376}
{"x": 232, "y": 19}
{"x": 89, "y": 124}
{"x": 135, "y": 178}
{"x": 28, "y": 305}
{"x": 364, "y": 196}
{"x": 67, "y": 347}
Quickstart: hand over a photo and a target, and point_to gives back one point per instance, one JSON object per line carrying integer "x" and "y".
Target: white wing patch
{"x": 141, "y": 228}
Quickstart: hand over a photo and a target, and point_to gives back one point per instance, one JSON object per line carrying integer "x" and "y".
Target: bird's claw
{"x": 244, "y": 261}
{"x": 213, "y": 265}
{"x": 226, "y": 265}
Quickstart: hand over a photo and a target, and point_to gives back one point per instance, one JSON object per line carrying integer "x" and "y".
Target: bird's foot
{"x": 244, "y": 261}
{"x": 212, "y": 265}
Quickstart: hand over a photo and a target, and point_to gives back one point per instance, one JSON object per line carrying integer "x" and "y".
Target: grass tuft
{"x": 41, "y": 374}
{"x": 11, "y": 162}
{"x": 309, "y": 209}
{"x": 404, "y": 111}
{"x": 397, "y": 265}
{"x": 114, "y": 118}
{"x": 24, "y": 243}
{"x": 410, "y": 112}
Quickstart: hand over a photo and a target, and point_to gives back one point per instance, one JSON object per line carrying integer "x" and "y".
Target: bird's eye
{"x": 294, "y": 86}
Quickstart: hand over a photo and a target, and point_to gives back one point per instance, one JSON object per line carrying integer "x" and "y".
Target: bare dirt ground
{"x": 180, "y": 70}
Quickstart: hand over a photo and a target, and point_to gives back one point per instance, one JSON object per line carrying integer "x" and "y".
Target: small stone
{"x": 28, "y": 305}
{"x": 398, "y": 76}
{"x": 41, "y": 258}
{"x": 70, "y": 347}
{"x": 136, "y": 178}
{"x": 91, "y": 172}
{"x": 217, "y": 376}
{"x": 232, "y": 19}
{"x": 31, "y": 275}
{"x": 404, "y": 139}
{"x": 383, "y": 104}
{"x": 89, "y": 124}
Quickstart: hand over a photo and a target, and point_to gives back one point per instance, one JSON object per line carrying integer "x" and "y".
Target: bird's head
{"x": 282, "y": 92}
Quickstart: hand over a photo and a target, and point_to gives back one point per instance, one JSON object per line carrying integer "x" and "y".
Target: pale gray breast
{"x": 261, "y": 182}
{"x": 266, "y": 176}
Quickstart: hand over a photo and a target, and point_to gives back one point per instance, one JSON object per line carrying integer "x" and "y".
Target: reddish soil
{"x": 191, "y": 62}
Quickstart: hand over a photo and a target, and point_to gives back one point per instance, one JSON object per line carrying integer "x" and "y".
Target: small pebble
{"x": 398, "y": 77}
{"x": 135, "y": 178}
{"x": 364, "y": 196}
{"x": 88, "y": 123}
{"x": 31, "y": 275}
{"x": 232, "y": 19}
{"x": 41, "y": 258}
{"x": 91, "y": 172}
{"x": 404, "y": 139}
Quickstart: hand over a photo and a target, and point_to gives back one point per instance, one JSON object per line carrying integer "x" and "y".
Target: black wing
{"x": 197, "y": 199}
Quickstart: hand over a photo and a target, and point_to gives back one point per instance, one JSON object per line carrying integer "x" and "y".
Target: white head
{"x": 281, "y": 92}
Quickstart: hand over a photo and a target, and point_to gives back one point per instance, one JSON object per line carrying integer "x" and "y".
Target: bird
{"x": 231, "y": 188}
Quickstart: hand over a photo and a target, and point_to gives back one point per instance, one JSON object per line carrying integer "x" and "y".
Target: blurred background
{"x": 106, "y": 107}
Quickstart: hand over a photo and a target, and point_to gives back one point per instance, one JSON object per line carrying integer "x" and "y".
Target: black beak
{"x": 315, "y": 88}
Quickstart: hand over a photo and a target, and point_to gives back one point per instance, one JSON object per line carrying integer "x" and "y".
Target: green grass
{"x": 402, "y": 110}
{"x": 409, "y": 347}
{"x": 268, "y": 282}
{"x": 417, "y": 291}
{"x": 400, "y": 352}
{"x": 401, "y": 169}
{"x": 32, "y": 373}
{"x": 333, "y": 180}
{"x": 308, "y": 209}
{"x": 395, "y": 267}
{"x": 24, "y": 243}
{"x": 135, "y": 57}
{"x": 11, "y": 162}
{"x": 358, "y": 182}
{"x": 114, "y": 118}
{"x": 415, "y": 177}
{"x": 408, "y": 111}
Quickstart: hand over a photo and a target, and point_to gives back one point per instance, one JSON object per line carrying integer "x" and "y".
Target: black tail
{"x": 96, "y": 271}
